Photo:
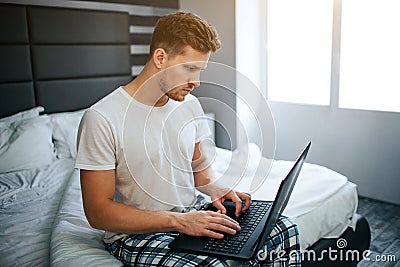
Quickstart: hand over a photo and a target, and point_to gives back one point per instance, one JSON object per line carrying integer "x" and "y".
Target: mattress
{"x": 322, "y": 204}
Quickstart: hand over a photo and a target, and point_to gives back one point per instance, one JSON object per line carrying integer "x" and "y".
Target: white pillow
{"x": 65, "y": 131}
{"x": 26, "y": 114}
{"x": 26, "y": 144}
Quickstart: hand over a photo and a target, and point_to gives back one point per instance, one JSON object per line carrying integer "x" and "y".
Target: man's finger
{"x": 247, "y": 198}
{"x": 218, "y": 205}
{"x": 238, "y": 204}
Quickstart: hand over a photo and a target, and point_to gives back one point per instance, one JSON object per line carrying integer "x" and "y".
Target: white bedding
{"x": 29, "y": 202}
{"x": 73, "y": 241}
{"x": 322, "y": 205}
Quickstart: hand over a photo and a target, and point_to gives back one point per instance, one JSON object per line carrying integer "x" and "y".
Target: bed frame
{"x": 66, "y": 59}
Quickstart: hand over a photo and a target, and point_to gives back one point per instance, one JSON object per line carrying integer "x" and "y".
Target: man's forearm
{"x": 121, "y": 218}
{"x": 205, "y": 184}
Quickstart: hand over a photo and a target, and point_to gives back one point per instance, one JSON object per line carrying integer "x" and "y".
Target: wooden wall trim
{"x": 138, "y": 38}
{"x": 139, "y": 59}
{"x": 174, "y": 4}
{"x": 143, "y": 20}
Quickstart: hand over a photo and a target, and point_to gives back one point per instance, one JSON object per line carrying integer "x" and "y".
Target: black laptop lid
{"x": 282, "y": 197}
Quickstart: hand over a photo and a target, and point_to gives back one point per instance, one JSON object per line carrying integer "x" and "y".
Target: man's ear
{"x": 159, "y": 57}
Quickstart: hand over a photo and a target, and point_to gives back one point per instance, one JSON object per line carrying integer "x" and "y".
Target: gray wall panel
{"x": 69, "y": 26}
{"x": 13, "y": 25}
{"x": 15, "y": 63}
{"x": 63, "y": 43}
{"x": 57, "y": 62}
{"x": 69, "y": 95}
{"x": 16, "y": 97}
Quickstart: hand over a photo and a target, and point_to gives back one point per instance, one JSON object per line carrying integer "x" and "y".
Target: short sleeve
{"x": 95, "y": 143}
{"x": 203, "y": 131}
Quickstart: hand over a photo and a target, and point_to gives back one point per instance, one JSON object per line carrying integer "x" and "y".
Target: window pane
{"x": 370, "y": 55}
{"x": 299, "y": 50}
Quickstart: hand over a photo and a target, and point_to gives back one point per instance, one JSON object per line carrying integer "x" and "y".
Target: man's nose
{"x": 195, "y": 83}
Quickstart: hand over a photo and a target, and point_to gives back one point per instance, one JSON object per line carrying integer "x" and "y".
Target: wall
{"x": 217, "y": 92}
{"x": 363, "y": 145}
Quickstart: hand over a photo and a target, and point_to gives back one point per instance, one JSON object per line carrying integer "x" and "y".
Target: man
{"x": 140, "y": 156}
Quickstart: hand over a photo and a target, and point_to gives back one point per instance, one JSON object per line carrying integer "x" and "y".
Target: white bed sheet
{"x": 73, "y": 241}
{"x": 29, "y": 202}
{"x": 322, "y": 205}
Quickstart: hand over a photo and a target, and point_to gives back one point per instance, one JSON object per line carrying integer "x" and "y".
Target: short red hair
{"x": 176, "y": 31}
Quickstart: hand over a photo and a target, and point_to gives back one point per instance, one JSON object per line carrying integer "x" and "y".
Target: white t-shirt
{"x": 150, "y": 148}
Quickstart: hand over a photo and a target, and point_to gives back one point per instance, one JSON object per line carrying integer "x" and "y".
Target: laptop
{"x": 256, "y": 224}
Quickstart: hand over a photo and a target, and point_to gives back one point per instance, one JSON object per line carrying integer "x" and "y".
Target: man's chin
{"x": 178, "y": 98}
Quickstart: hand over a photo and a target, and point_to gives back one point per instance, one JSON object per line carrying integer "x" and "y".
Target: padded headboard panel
{"x": 60, "y": 58}
{"x": 16, "y": 81}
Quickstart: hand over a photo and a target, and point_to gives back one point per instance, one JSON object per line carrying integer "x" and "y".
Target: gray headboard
{"x": 60, "y": 58}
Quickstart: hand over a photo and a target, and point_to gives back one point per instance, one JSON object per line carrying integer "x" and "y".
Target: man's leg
{"x": 282, "y": 247}
{"x": 153, "y": 250}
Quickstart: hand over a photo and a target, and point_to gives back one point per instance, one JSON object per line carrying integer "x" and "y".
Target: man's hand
{"x": 207, "y": 223}
{"x": 204, "y": 183}
{"x": 237, "y": 197}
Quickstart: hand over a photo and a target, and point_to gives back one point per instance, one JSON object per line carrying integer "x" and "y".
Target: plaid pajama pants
{"x": 281, "y": 249}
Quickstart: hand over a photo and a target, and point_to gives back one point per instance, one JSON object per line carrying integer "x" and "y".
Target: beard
{"x": 174, "y": 93}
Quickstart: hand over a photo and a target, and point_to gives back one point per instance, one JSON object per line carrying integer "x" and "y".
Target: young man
{"x": 140, "y": 157}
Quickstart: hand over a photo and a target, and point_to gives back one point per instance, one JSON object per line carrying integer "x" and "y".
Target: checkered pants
{"x": 281, "y": 249}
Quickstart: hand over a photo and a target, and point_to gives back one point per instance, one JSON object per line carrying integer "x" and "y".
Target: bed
{"x": 41, "y": 214}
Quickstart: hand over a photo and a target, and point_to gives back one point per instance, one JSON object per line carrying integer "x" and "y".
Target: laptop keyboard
{"x": 248, "y": 222}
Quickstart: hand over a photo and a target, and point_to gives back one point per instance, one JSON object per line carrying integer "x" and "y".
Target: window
{"x": 365, "y": 70}
{"x": 299, "y": 46}
{"x": 370, "y": 55}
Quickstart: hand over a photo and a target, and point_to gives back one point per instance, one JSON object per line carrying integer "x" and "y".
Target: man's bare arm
{"x": 202, "y": 172}
{"x": 104, "y": 213}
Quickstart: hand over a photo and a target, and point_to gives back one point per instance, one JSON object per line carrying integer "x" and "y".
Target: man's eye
{"x": 191, "y": 68}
